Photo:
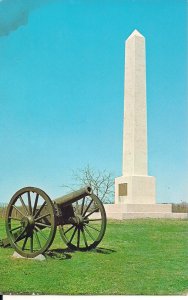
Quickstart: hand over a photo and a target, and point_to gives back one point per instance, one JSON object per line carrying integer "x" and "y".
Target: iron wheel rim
{"x": 30, "y": 214}
{"x": 83, "y": 231}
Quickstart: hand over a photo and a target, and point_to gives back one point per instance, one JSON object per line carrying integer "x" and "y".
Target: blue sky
{"x": 62, "y": 85}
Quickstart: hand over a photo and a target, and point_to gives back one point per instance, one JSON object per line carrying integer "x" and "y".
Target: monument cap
{"x": 135, "y": 33}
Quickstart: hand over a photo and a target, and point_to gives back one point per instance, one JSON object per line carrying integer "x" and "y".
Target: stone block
{"x": 39, "y": 257}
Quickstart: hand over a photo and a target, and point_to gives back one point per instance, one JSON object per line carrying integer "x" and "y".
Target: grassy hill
{"x": 136, "y": 257}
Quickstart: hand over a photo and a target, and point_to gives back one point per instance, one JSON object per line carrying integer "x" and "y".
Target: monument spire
{"x": 135, "y": 116}
{"x": 135, "y": 190}
{"x": 135, "y": 186}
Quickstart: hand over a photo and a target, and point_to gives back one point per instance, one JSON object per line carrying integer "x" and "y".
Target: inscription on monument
{"x": 123, "y": 189}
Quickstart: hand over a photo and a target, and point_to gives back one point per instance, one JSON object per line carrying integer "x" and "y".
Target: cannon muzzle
{"x": 73, "y": 197}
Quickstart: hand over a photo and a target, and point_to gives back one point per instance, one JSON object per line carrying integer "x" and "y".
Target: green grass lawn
{"x": 136, "y": 257}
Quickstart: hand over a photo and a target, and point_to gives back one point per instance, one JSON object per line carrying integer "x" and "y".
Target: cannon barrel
{"x": 74, "y": 196}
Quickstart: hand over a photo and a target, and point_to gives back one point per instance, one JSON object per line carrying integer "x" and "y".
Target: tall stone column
{"x": 135, "y": 190}
{"x": 135, "y": 186}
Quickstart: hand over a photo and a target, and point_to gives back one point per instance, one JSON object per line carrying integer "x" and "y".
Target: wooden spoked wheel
{"x": 30, "y": 222}
{"x": 87, "y": 228}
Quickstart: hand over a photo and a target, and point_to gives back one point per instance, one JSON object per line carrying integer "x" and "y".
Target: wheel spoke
{"x": 88, "y": 207}
{"x": 41, "y": 217}
{"x": 25, "y": 241}
{"x": 38, "y": 212}
{"x": 16, "y": 228}
{"x": 18, "y": 237}
{"x": 92, "y": 227}
{"x": 78, "y": 240}
{"x": 44, "y": 236}
{"x": 95, "y": 210}
{"x": 31, "y": 242}
{"x": 23, "y": 204}
{"x": 68, "y": 229}
{"x": 38, "y": 240}
{"x": 35, "y": 204}
{"x": 29, "y": 203}
{"x": 89, "y": 233}
{"x": 73, "y": 235}
{"x": 42, "y": 224}
{"x": 18, "y": 210}
{"x": 94, "y": 220}
{"x": 12, "y": 218}
{"x": 77, "y": 207}
{"x": 82, "y": 207}
{"x": 85, "y": 241}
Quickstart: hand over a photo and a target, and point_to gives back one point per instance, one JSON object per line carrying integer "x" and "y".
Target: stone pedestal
{"x": 135, "y": 190}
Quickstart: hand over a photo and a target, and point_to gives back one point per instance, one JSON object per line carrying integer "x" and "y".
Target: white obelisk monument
{"x": 135, "y": 186}
{"x": 135, "y": 192}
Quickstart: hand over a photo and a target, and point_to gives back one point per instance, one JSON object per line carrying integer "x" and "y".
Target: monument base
{"x": 135, "y": 199}
{"x": 135, "y": 189}
{"x": 142, "y": 211}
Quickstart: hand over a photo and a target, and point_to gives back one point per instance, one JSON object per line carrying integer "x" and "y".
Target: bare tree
{"x": 101, "y": 182}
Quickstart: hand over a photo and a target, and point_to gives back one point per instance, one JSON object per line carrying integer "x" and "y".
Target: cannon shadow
{"x": 63, "y": 254}
{"x": 60, "y": 254}
{"x": 103, "y": 250}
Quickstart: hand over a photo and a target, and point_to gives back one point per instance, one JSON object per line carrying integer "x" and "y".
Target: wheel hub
{"x": 28, "y": 222}
{"x": 77, "y": 220}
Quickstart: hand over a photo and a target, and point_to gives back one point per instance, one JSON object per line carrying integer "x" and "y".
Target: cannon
{"x": 32, "y": 219}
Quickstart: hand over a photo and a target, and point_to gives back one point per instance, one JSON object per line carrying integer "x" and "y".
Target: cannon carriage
{"x": 32, "y": 219}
